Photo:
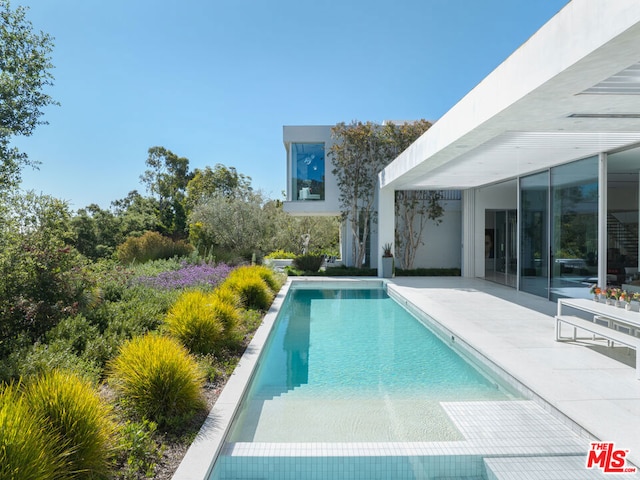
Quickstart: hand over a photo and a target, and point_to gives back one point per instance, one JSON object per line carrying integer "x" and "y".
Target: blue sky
{"x": 216, "y": 81}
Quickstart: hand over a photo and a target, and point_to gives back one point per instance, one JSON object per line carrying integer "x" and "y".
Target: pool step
{"x": 545, "y": 468}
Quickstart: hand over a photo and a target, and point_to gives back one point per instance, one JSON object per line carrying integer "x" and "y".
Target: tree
{"x": 167, "y": 178}
{"x": 285, "y": 231}
{"x": 220, "y": 180}
{"x": 25, "y": 65}
{"x": 357, "y": 156}
{"x": 229, "y": 226}
{"x": 413, "y": 209}
{"x": 360, "y": 152}
{"x": 42, "y": 278}
{"x": 137, "y": 214}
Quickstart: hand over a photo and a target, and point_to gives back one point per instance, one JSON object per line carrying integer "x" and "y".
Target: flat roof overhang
{"x": 571, "y": 91}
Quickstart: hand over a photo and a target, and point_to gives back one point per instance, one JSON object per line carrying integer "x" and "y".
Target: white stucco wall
{"x": 442, "y": 243}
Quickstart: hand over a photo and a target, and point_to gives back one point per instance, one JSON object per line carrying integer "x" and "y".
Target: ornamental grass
{"x": 158, "y": 380}
{"x": 252, "y": 289}
{"x": 26, "y": 449}
{"x": 202, "y": 322}
{"x": 266, "y": 274}
{"x": 82, "y": 424}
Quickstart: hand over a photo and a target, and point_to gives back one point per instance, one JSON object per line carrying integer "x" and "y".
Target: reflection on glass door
{"x": 501, "y": 246}
{"x": 574, "y": 228}
{"x": 534, "y": 234}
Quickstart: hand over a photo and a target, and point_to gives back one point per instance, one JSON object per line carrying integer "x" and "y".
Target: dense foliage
{"x": 151, "y": 246}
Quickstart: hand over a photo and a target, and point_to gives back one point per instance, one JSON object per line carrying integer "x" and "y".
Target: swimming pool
{"x": 343, "y": 368}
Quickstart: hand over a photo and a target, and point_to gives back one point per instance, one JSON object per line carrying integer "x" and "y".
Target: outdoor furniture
{"x": 615, "y": 317}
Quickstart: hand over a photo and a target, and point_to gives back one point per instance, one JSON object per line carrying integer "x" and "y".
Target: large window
{"x": 559, "y": 230}
{"x": 307, "y": 163}
{"x": 574, "y": 228}
{"x": 622, "y": 218}
{"x": 534, "y": 234}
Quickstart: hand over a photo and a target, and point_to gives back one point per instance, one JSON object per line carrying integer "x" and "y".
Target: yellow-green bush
{"x": 204, "y": 322}
{"x": 253, "y": 291}
{"x": 82, "y": 423}
{"x": 194, "y": 322}
{"x": 227, "y": 295}
{"x": 157, "y": 379}
{"x": 228, "y": 315}
{"x": 281, "y": 254}
{"x": 25, "y": 450}
{"x": 151, "y": 246}
{"x": 269, "y": 277}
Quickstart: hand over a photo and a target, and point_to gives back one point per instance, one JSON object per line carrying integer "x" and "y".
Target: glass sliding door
{"x": 623, "y": 181}
{"x": 574, "y": 228}
{"x": 501, "y": 255}
{"x": 534, "y": 234}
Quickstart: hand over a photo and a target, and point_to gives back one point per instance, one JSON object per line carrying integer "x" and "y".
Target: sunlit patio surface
{"x": 594, "y": 386}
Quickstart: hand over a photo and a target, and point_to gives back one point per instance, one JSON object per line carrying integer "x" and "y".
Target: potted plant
{"x": 387, "y": 260}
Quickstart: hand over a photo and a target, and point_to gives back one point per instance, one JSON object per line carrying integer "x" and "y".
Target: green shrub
{"x": 193, "y": 321}
{"x": 343, "y": 271}
{"x": 253, "y": 291}
{"x": 281, "y": 254}
{"x": 308, "y": 263}
{"x": 138, "y": 452}
{"x": 26, "y": 451}
{"x": 41, "y": 358}
{"x": 74, "y": 414}
{"x": 76, "y": 331}
{"x": 428, "y": 272}
{"x": 157, "y": 379}
{"x": 151, "y": 246}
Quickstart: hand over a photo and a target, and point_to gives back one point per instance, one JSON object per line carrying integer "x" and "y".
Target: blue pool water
{"x": 353, "y": 366}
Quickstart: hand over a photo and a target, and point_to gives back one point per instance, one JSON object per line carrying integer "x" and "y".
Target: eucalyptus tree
{"x": 220, "y": 180}
{"x": 360, "y": 152}
{"x": 166, "y": 179}
{"x": 25, "y": 72}
{"x": 357, "y": 155}
{"x": 414, "y": 208}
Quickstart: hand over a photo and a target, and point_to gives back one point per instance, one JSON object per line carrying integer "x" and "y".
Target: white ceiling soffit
{"x": 626, "y": 82}
{"x": 517, "y": 153}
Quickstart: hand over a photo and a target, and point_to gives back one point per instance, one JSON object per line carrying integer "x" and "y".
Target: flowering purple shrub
{"x": 205, "y": 274}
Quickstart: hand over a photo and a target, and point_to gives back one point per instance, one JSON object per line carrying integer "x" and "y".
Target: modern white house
{"x": 546, "y": 152}
{"x": 313, "y": 190}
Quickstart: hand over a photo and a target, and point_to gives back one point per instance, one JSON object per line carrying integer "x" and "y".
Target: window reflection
{"x": 622, "y": 219}
{"x": 308, "y": 166}
{"x": 574, "y": 227}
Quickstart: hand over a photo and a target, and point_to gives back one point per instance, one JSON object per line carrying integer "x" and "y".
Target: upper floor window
{"x": 307, "y": 165}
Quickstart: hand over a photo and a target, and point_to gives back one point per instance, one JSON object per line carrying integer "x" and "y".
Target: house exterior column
{"x": 469, "y": 232}
{"x": 602, "y": 219}
{"x": 386, "y": 223}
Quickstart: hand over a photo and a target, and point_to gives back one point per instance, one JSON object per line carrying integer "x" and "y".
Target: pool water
{"x": 349, "y": 365}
